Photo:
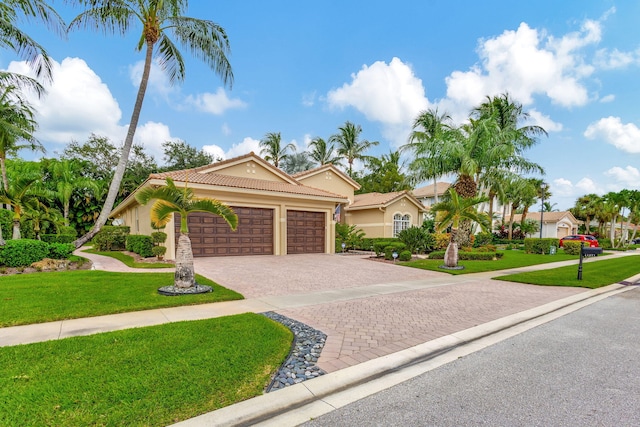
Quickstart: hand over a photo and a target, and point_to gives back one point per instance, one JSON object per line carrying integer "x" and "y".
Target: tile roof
{"x": 427, "y": 190}
{"x": 547, "y": 217}
{"x": 372, "y": 200}
{"x": 324, "y": 167}
{"x": 192, "y": 176}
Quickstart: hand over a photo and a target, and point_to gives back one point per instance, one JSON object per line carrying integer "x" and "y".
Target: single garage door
{"x": 211, "y": 236}
{"x": 305, "y": 232}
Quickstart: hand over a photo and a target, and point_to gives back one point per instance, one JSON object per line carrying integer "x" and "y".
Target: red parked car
{"x": 589, "y": 241}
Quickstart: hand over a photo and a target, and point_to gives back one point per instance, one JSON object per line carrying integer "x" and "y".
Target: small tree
{"x": 170, "y": 200}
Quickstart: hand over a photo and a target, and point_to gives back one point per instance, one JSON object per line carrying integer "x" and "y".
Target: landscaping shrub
{"x": 442, "y": 241}
{"x": 571, "y": 247}
{"x": 23, "y": 252}
{"x": 65, "y": 229}
{"x": 393, "y": 247}
{"x": 159, "y": 251}
{"x": 111, "y": 238}
{"x": 381, "y": 243}
{"x": 58, "y": 238}
{"x": 349, "y": 235}
{"x": 417, "y": 239}
{"x": 60, "y": 250}
{"x": 483, "y": 239}
{"x": 140, "y": 244}
{"x": 540, "y": 246}
{"x": 469, "y": 256}
{"x": 158, "y": 237}
{"x": 605, "y": 243}
{"x": 405, "y": 256}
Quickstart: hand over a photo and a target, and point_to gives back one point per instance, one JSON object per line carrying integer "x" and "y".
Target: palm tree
{"x": 17, "y": 127}
{"x": 349, "y": 144}
{"x": 159, "y": 21}
{"x": 322, "y": 152}
{"x": 170, "y": 200}
{"x": 297, "y": 162}
{"x": 532, "y": 190}
{"x": 20, "y": 198}
{"x": 41, "y": 217}
{"x": 457, "y": 209}
{"x": 14, "y": 38}
{"x": 272, "y": 149}
{"x": 66, "y": 174}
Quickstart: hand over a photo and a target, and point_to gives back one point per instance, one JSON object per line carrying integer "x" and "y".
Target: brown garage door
{"x": 305, "y": 232}
{"x": 211, "y": 236}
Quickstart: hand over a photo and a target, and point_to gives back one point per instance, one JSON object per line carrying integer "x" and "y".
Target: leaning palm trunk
{"x": 185, "y": 272}
{"x": 451, "y": 254}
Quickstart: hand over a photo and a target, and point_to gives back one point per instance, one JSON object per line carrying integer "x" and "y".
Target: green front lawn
{"x": 129, "y": 261}
{"x": 151, "y": 376}
{"x": 45, "y": 297}
{"x": 511, "y": 259}
{"x": 594, "y": 274}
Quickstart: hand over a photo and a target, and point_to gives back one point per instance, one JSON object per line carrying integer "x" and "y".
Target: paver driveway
{"x": 258, "y": 276}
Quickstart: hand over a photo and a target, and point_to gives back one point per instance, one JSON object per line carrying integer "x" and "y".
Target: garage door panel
{"x": 305, "y": 232}
{"x": 211, "y": 235}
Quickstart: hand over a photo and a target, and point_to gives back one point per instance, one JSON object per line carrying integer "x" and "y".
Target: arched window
{"x": 400, "y": 222}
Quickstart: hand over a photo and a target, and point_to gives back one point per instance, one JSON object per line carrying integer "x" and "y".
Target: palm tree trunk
{"x": 451, "y": 254}
{"x": 16, "y": 229}
{"x": 185, "y": 272}
{"x": 435, "y": 190}
{"x": 3, "y": 166}
{"x": 586, "y": 224}
{"x": 66, "y": 213}
{"x": 114, "y": 188}
{"x": 513, "y": 213}
{"x": 492, "y": 197}
{"x": 2, "y": 241}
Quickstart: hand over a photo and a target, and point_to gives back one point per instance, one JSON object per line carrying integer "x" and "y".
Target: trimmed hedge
{"x": 23, "y": 252}
{"x": 60, "y": 250}
{"x": 405, "y": 256}
{"x": 380, "y": 243}
{"x": 540, "y": 246}
{"x": 140, "y": 244}
{"x": 58, "y": 238}
{"x": 393, "y": 247}
{"x": 572, "y": 247}
{"x": 158, "y": 237}
{"x": 111, "y": 238}
{"x": 469, "y": 256}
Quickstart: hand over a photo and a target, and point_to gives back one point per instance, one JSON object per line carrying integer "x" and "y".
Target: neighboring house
{"x": 385, "y": 214}
{"x": 278, "y": 214}
{"x": 427, "y": 194}
{"x": 555, "y": 224}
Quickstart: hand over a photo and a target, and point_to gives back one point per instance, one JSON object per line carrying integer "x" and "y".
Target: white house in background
{"x": 427, "y": 195}
{"x": 554, "y": 224}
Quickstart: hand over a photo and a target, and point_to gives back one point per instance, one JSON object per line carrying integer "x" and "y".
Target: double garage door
{"x": 211, "y": 236}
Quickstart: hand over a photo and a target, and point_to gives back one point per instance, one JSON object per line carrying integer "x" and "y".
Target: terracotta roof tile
{"x": 324, "y": 167}
{"x": 427, "y": 190}
{"x": 373, "y": 200}
{"x": 548, "y": 216}
{"x": 247, "y": 183}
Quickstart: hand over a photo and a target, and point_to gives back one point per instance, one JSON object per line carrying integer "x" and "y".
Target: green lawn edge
{"x": 46, "y": 297}
{"x": 152, "y": 376}
{"x": 594, "y": 274}
{"x": 128, "y": 259}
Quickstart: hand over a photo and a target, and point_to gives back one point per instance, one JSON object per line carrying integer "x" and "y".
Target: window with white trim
{"x": 400, "y": 222}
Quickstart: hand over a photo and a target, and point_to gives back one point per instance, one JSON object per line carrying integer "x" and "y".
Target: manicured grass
{"x": 44, "y": 297}
{"x": 594, "y": 274}
{"x": 151, "y": 376}
{"x": 129, "y": 261}
{"x": 511, "y": 259}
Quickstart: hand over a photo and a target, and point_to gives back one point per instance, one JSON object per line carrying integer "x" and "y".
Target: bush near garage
{"x": 540, "y": 246}
{"x": 111, "y": 238}
{"x": 395, "y": 247}
{"x": 380, "y": 243}
{"x": 417, "y": 239}
{"x": 405, "y": 256}
{"x": 140, "y": 244}
{"x": 572, "y": 247}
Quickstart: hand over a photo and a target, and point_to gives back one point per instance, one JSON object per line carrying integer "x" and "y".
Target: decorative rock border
{"x": 305, "y": 351}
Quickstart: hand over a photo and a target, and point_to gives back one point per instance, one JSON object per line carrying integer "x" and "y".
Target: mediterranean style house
{"x": 554, "y": 224}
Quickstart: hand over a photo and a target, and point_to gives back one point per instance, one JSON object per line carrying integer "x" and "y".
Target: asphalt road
{"x": 580, "y": 370}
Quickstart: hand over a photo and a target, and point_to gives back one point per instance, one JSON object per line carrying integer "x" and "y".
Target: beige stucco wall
{"x": 329, "y": 181}
{"x": 378, "y": 222}
{"x": 250, "y": 169}
{"x": 279, "y": 203}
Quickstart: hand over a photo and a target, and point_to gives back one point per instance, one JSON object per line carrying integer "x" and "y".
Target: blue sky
{"x": 303, "y": 69}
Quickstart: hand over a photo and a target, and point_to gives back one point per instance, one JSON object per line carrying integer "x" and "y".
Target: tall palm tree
{"x": 532, "y": 190}
{"x": 430, "y": 131}
{"x": 159, "y": 21}
{"x": 170, "y": 200}
{"x": 66, "y": 174}
{"x": 322, "y": 152}
{"x": 20, "y": 198}
{"x": 297, "y": 162}
{"x": 272, "y": 149}
{"x": 17, "y": 127}
{"x": 13, "y": 38}
{"x": 349, "y": 144}
{"x": 457, "y": 209}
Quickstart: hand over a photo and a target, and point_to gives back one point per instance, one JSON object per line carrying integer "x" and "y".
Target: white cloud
{"x": 562, "y": 187}
{"x": 615, "y": 59}
{"x": 158, "y": 79}
{"x": 625, "y": 137}
{"x": 539, "y": 119}
{"x": 608, "y": 98}
{"x": 628, "y": 177}
{"x": 216, "y": 151}
{"x": 215, "y": 103}
{"x": 387, "y": 93}
{"x": 226, "y": 129}
{"x": 526, "y": 63}
{"x": 77, "y": 104}
{"x": 245, "y": 147}
{"x": 587, "y": 186}
{"x": 309, "y": 99}
{"x": 151, "y": 136}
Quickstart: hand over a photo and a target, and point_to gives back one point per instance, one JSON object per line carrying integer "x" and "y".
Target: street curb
{"x": 301, "y": 402}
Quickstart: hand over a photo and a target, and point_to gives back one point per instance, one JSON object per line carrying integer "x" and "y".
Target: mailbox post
{"x": 580, "y": 263}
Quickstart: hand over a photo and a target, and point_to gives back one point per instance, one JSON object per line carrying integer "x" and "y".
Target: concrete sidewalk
{"x": 373, "y": 329}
